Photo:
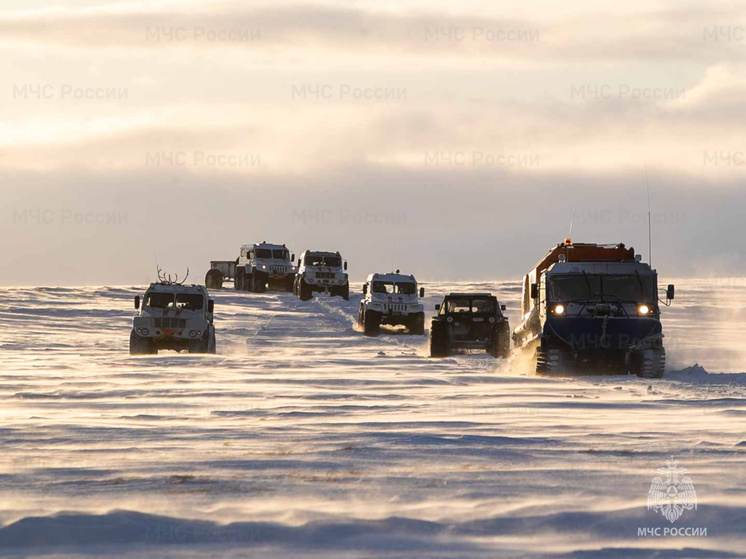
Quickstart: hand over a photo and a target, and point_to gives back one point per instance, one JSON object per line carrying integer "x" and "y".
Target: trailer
{"x": 220, "y": 271}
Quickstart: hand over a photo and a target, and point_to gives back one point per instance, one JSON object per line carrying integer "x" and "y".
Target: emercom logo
{"x": 672, "y": 492}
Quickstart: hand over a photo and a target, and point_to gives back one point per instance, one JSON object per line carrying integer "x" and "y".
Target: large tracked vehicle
{"x": 593, "y": 308}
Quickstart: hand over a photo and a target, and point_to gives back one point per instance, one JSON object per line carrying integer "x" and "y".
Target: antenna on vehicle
{"x": 572, "y": 218}
{"x": 650, "y": 221}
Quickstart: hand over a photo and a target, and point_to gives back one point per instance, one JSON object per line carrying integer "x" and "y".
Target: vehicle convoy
{"x": 594, "y": 308}
{"x": 469, "y": 321}
{"x": 173, "y": 316}
{"x": 321, "y": 272}
{"x": 259, "y": 267}
{"x": 391, "y": 299}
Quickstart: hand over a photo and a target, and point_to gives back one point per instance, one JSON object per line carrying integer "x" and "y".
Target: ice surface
{"x": 303, "y": 437}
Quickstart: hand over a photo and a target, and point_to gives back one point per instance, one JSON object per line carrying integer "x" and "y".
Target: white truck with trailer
{"x": 258, "y": 268}
{"x": 173, "y": 316}
{"x": 321, "y": 272}
{"x": 391, "y": 299}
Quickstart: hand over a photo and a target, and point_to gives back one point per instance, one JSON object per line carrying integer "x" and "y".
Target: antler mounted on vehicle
{"x": 166, "y": 278}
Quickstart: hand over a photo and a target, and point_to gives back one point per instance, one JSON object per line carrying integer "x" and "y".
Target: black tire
{"x": 214, "y": 279}
{"x": 371, "y": 323}
{"x": 200, "y": 346}
{"x": 438, "y": 339}
{"x": 360, "y": 320}
{"x": 500, "y": 346}
{"x": 140, "y": 345}
{"x": 344, "y": 291}
{"x": 290, "y": 284}
{"x": 238, "y": 280}
{"x": 258, "y": 282}
{"x": 304, "y": 290}
{"x": 416, "y": 324}
{"x": 212, "y": 348}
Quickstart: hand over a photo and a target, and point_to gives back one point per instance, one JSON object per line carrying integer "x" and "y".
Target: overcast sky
{"x": 453, "y": 140}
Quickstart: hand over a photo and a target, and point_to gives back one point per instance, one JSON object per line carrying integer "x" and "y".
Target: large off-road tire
{"x": 290, "y": 284}
{"x": 500, "y": 346}
{"x": 140, "y": 345}
{"x": 304, "y": 290}
{"x": 652, "y": 363}
{"x": 371, "y": 323}
{"x": 416, "y": 324}
{"x": 360, "y": 319}
{"x": 438, "y": 339}
{"x": 344, "y": 291}
{"x": 550, "y": 362}
{"x": 212, "y": 346}
{"x": 238, "y": 280}
{"x": 214, "y": 279}
{"x": 258, "y": 282}
{"x": 202, "y": 345}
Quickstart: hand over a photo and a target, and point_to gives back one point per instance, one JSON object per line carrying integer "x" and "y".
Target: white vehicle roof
{"x": 176, "y": 288}
{"x": 392, "y": 277}
{"x": 265, "y": 245}
{"x": 321, "y": 253}
{"x": 470, "y": 295}
{"x": 603, "y": 268}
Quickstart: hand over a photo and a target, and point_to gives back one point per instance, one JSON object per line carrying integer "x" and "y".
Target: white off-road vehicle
{"x": 263, "y": 266}
{"x": 321, "y": 272}
{"x": 391, "y": 299}
{"x": 173, "y": 316}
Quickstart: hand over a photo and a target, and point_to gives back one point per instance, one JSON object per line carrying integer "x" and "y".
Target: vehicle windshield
{"x": 159, "y": 300}
{"x": 263, "y": 253}
{"x": 281, "y": 254}
{"x": 599, "y": 287}
{"x": 403, "y": 288}
{"x": 189, "y": 301}
{"x": 477, "y": 305}
{"x": 331, "y": 261}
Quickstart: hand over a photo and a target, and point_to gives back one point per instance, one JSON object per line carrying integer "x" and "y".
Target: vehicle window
{"x": 483, "y": 306}
{"x": 159, "y": 300}
{"x": 263, "y": 253}
{"x": 280, "y": 254}
{"x": 596, "y": 287}
{"x": 312, "y": 260}
{"x": 458, "y": 305}
{"x": 189, "y": 301}
{"x": 406, "y": 288}
{"x": 381, "y": 287}
{"x": 333, "y": 261}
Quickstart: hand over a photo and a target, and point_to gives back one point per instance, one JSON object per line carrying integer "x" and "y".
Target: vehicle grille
{"x": 170, "y": 322}
{"x": 325, "y": 275}
{"x": 394, "y": 307}
{"x": 278, "y": 269}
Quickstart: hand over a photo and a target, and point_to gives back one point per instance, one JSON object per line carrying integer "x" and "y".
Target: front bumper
{"x": 169, "y": 327}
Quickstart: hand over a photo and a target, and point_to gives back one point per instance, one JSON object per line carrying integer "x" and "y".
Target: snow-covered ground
{"x": 302, "y": 437}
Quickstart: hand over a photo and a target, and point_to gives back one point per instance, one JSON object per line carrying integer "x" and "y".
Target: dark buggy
{"x": 469, "y": 321}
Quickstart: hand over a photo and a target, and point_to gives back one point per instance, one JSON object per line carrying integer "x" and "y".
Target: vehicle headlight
{"x": 449, "y": 319}
{"x": 644, "y": 310}
{"x": 492, "y": 319}
{"x": 264, "y": 266}
{"x": 193, "y": 333}
{"x": 144, "y": 331}
{"x": 558, "y": 309}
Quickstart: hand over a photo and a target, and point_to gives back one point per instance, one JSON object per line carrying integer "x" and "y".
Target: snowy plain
{"x": 302, "y": 437}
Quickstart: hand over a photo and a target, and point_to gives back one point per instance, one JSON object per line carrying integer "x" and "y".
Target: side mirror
{"x": 365, "y": 289}
{"x": 670, "y": 291}
{"x": 502, "y": 307}
{"x": 422, "y": 291}
{"x": 292, "y": 257}
{"x": 298, "y": 262}
{"x": 437, "y": 307}
{"x": 210, "y": 306}
{"x": 345, "y": 265}
{"x": 137, "y": 301}
{"x": 534, "y": 291}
